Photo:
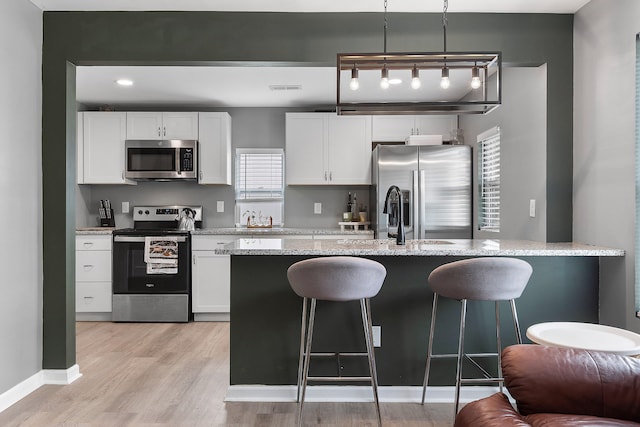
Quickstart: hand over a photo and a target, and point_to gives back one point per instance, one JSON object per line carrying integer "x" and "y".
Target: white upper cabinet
{"x": 326, "y": 149}
{"x": 102, "y": 149}
{"x": 398, "y": 128}
{"x": 215, "y": 148}
{"x": 162, "y": 125}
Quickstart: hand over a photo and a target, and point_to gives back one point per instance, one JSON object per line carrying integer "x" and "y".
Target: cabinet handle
{"x": 200, "y": 174}
{"x": 325, "y": 175}
{"x": 158, "y": 130}
{"x": 330, "y": 176}
{"x": 194, "y": 259}
{"x": 164, "y": 131}
{"x": 88, "y": 266}
{"x": 88, "y": 244}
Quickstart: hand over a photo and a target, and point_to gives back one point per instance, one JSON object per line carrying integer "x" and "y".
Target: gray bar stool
{"x": 481, "y": 279}
{"x": 336, "y": 278}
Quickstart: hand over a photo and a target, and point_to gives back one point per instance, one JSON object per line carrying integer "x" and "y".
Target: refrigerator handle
{"x": 416, "y": 209}
{"x": 423, "y": 208}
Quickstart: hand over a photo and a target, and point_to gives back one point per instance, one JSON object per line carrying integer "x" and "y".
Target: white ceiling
{"x": 250, "y": 86}
{"x": 488, "y": 6}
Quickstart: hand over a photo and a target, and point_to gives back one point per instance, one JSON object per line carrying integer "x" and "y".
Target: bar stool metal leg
{"x": 305, "y": 371}
{"x": 463, "y": 316}
{"x": 432, "y": 328}
{"x": 302, "y": 336}
{"x": 365, "y": 308}
{"x": 516, "y": 324}
{"x": 499, "y": 345}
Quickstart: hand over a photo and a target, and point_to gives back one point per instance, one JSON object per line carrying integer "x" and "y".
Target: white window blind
{"x": 489, "y": 180}
{"x": 259, "y": 174}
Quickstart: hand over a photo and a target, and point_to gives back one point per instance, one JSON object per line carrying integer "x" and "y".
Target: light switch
{"x": 532, "y": 208}
{"x": 317, "y": 208}
{"x": 125, "y": 207}
{"x": 220, "y": 206}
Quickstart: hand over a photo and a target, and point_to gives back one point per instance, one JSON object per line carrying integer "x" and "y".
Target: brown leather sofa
{"x": 560, "y": 387}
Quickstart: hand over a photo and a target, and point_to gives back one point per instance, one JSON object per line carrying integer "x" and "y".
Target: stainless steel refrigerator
{"x": 435, "y": 182}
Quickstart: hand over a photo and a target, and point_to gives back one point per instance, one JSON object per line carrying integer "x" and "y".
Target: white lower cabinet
{"x": 211, "y": 278}
{"x": 93, "y": 277}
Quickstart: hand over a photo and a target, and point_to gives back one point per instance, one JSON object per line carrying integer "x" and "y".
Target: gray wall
{"x": 251, "y": 128}
{"x": 522, "y": 119}
{"x": 605, "y": 144}
{"x": 20, "y": 192}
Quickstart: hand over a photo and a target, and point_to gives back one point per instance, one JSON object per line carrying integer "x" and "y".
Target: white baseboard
{"x": 397, "y": 394}
{"x": 34, "y": 382}
{"x": 211, "y": 317}
{"x": 61, "y": 376}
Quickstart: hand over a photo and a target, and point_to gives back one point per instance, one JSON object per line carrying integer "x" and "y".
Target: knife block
{"x": 108, "y": 222}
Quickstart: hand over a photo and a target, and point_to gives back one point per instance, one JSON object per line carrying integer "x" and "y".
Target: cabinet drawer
{"x": 93, "y": 297}
{"x": 211, "y": 242}
{"x": 93, "y": 243}
{"x": 93, "y": 266}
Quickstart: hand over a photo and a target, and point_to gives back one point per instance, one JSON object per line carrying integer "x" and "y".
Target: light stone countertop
{"x": 243, "y": 231}
{"x": 279, "y": 231}
{"x": 388, "y": 247}
{"x": 87, "y": 231}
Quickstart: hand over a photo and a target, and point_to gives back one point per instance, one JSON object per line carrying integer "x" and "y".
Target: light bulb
{"x": 444, "y": 81}
{"x": 384, "y": 81}
{"x": 354, "y": 84}
{"x": 415, "y": 78}
{"x": 475, "y": 78}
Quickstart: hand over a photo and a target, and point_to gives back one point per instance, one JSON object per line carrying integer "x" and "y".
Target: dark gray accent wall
{"x": 121, "y": 38}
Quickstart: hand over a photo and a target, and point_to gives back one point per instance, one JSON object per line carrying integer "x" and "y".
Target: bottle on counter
{"x": 354, "y": 208}
{"x": 347, "y": 215}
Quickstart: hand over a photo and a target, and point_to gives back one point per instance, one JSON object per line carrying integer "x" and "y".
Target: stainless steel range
{"x": 152, "y": 266}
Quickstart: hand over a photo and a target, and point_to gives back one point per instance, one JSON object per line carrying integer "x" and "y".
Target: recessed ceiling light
{"x": 124, "y": 82}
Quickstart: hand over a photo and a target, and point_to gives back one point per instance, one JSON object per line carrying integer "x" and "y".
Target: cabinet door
{"x": 215, "y": 148}
{"x": 211, "y": 283}
{"x": 349, "y": 150}
{"x": 144, "y": 125}
{"x": 306, "y": 144}
{"x": 79, "y": 148}
{"x": 436, "y": 125}
{"x": 391, "y": 128}
{"x": 103, "y": 148}
{"x": 180, "y": 125}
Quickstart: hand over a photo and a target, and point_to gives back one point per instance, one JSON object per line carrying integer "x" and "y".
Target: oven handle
{"x": 141, "y": 239}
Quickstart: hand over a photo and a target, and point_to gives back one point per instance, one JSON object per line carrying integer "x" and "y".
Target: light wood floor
{"x": 161, "y": 375}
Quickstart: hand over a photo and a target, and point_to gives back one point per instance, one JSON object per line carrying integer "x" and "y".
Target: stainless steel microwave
{"x": 161, "y": 160}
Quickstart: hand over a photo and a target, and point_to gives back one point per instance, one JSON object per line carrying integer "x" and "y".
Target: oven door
{"x": 130, "y": 269}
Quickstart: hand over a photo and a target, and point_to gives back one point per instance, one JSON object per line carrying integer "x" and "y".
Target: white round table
{"x": 588, "y": 336}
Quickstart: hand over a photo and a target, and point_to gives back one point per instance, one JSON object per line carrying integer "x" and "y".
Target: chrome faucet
{"x": 400, "y": 240}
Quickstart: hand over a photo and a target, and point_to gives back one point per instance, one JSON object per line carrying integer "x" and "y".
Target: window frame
{"x": 489, "y": 180}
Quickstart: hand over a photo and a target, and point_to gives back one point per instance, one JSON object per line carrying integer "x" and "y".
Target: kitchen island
{"x": 265, "y": 313}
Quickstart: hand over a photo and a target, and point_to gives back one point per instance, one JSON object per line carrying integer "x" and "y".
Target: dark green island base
{"x": 266, "y": 316}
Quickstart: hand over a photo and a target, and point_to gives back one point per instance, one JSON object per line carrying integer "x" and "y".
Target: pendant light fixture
{"x": 441, "y": 82}
{"x": 415, "y": 78}
{"x": 354, "y": 84}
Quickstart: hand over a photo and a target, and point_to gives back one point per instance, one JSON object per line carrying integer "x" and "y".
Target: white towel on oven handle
{"x": 161, "y": 254}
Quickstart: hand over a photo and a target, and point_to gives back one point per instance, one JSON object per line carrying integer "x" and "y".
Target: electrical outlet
{"x": 125, "y": 207}
{"x": 377, "y": 336}
{"x": 317, "y": 208}
{"x": 220, "y": 206}
{"x": 532, "y": 208}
